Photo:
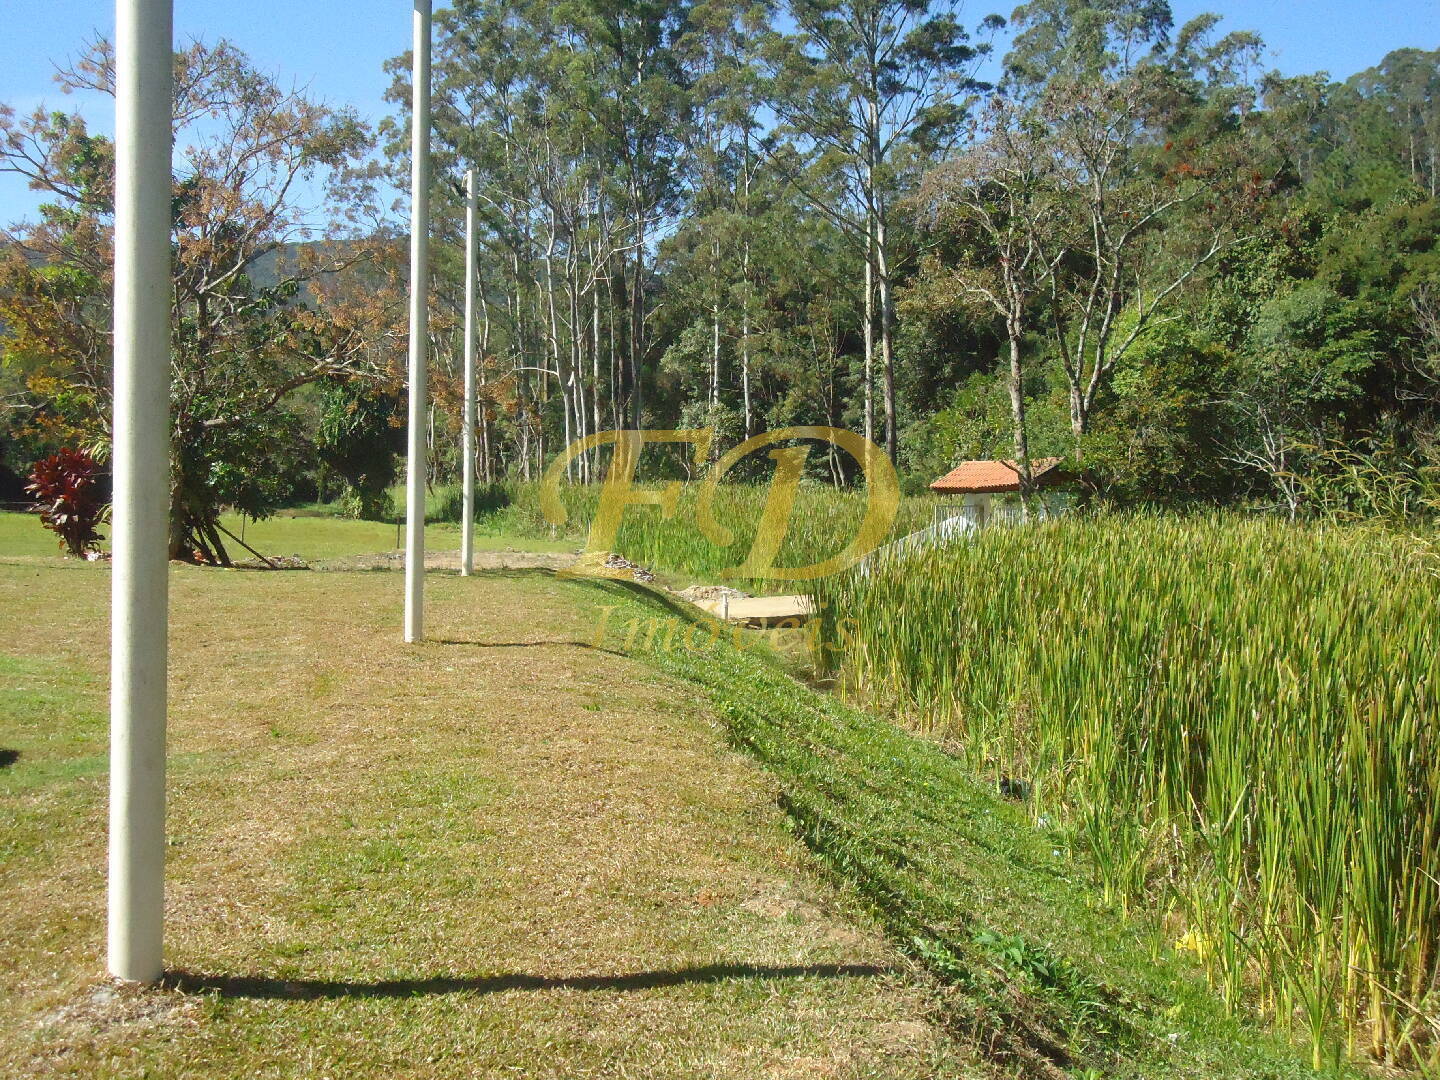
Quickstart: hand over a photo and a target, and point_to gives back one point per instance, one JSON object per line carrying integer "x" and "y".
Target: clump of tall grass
{"x": 823, "y": 522}
{"x": 1239, "y": 716}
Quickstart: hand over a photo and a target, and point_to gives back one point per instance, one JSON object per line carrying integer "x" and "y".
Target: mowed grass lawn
{"x": 312, "y": 538}
{"x": 500, "y": 853}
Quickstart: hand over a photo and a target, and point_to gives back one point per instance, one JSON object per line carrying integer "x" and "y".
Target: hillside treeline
{"x": 1081, "y": 230}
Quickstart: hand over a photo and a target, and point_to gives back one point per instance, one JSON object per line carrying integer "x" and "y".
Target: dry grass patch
{"x": 501, "y": 853}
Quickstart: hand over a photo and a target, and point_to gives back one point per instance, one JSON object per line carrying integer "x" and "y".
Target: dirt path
{"x": 450, "y": 560}
{"x": 501, "y": 853}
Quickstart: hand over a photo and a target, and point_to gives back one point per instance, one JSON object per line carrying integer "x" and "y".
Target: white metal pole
{"x": 467, "y": 437}
{"x": 141, "y": 464}
{"x": 419, "y": 325}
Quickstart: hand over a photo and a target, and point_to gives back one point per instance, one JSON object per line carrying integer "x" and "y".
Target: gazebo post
{"x": 139, "y": 589}
{"x": 416, "y": 461}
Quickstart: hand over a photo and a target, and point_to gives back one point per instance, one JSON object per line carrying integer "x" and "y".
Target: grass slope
{"x": 1042, "y": 976}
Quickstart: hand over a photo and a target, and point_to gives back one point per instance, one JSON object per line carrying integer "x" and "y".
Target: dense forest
{"x": 1077, "y": 231}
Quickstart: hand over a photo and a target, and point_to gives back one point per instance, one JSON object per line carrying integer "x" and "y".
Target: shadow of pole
{"x": 249, "y": 986}
{"x": 527, "y": 645}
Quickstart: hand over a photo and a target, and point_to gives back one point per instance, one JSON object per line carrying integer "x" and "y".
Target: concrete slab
{"x": 760, "y": 610}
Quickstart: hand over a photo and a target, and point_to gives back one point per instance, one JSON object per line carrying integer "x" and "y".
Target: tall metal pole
{"x": 419, "y": 325}
{"x": 467, "y": 437}
{"x": 141, "y": 464}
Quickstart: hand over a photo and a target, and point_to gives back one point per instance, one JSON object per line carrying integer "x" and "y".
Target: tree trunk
{"x": 595, "y": 355}
{"x": 485, "y": 470}
{"x": 177, "y": 522}
{"x": 558, "y": 359}
{"x": 637, "y": 324}
{"x": 1079, "y": 417}
{"x": 616, "y": 421}
{"x": 887, "y": 332}
{"x": 868, "y": 330}
{"x": 577, "y": 354}
{"x": 1015, "y": 383}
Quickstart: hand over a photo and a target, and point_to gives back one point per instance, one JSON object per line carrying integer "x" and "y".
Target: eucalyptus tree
{"x": 796, "y": 304}
{"x": 725, "y": 156}
{"x": 1402, "y": 93}
{"x": 1144, "y": 131}
{"x": 1357, "y": 142}
{"x": 1070, "y": 40}
{"x": 1142, "y": 220}
{"x": 490, "y": 114}
{"x": 620, "y": 68}
{"x": 854, "y": 84}
{"x": 998, "y": 209}
{"x": 805, "y": 319}
{"x": 573, "y": 114}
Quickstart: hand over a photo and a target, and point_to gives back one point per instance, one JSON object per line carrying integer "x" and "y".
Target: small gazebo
{"x": 989, "y": 490}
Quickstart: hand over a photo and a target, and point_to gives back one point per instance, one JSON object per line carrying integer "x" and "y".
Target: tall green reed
{"x": 1239, "y": 717}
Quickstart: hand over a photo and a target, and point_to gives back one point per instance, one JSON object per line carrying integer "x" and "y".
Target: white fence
{"x": 954, "y": 521}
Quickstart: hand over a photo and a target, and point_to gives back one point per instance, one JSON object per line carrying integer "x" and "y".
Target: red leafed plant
{"x": 69, "y": 494}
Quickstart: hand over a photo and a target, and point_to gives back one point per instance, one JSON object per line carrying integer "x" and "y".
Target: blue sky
{"x": 338, "y": 48}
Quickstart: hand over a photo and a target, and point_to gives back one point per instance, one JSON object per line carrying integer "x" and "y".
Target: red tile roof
{"x": 980, "y": 477}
